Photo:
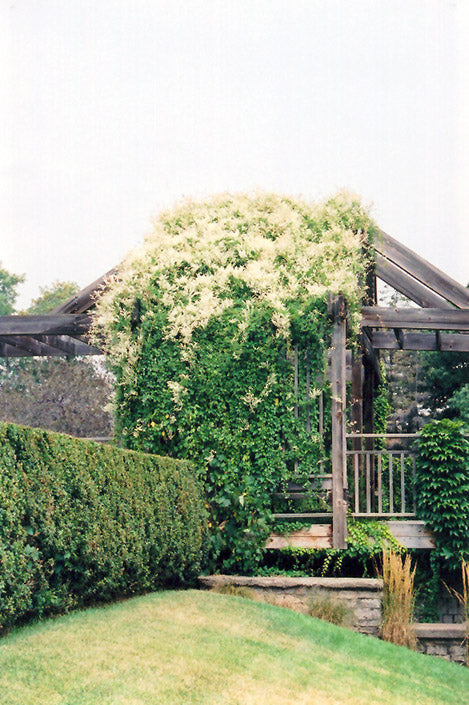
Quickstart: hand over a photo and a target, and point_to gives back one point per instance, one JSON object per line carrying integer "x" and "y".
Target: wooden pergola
{"x": 439, "y": 320}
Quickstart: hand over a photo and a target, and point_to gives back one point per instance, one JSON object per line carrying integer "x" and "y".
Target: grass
{"x": 204, "y": 648}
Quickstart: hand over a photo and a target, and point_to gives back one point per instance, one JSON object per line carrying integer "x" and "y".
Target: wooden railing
{"x": 381, "y": 480}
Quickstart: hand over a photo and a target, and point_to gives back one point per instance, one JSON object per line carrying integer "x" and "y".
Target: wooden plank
{"x": 316, "y": 536}
{"x": 307, "y": 515}
{"x": 378, "y": 515}
{"x": 338, "y": 407}
{"x": 412, "y": 534}
{"x": 61, "y": 324}
{"x": 418, "y": 318}
{"x": 85, "y": 299}
{"x": 422, "y": 270}
{"x": 408, "y": 285}
{"x": 292, "y": 541}
{"x": 383, "y": 435}
{"x": 453, "y": 341}
{"x": 384, "y": 340}
{"x": 408, "y": 533}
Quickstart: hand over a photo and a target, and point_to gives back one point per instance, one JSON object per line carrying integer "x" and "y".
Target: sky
{"x": 115, "y": 110}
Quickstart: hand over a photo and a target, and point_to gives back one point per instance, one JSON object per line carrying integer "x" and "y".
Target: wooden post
{"x": 339, "y": 478}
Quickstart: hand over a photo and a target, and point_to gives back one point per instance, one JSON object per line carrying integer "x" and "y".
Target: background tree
{"x": 423, "y": 385}
{"x": 52, "y": 296}
{"x": 71, "y": 395}
{"x": 8, "y": 293}
{"x": 445, "y": 373}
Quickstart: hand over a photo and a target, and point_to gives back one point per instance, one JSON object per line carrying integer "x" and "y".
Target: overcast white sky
{"x": 113, "y": 110}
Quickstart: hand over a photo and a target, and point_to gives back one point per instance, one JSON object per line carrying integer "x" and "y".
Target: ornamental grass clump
{"x": 201, "y": 326}
{"x": 328, "y": 609}
{"x": 398, "y": 600}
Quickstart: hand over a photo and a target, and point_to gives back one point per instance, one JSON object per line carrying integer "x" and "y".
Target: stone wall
{"x": 451, "y": 610}
{"x": 363, "y": 596}
{"x": 444, "y": 640}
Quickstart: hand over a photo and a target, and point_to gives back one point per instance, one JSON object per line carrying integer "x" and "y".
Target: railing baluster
{"x": 357, "y": 481}
{"x": 391, "y": 489}
{"x": 378, "y": 496}
{"x": 295, "y": 464}
{"x": 308, "y": 389}
{"x": 402, "y": 484}
{"x": 380, "y": 487}
{"x": 368, "y": 482}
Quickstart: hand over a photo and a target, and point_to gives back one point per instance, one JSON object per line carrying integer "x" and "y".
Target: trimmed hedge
{"x": 82, "y": 522}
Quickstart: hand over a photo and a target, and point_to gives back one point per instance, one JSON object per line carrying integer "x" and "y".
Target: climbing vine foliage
{"x": 201, "y": 326}
{"x": 442, "y": 484}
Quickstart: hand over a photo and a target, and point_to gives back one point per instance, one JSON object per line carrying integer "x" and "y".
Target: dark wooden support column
{"x": 338, "y": 373}
{"x": 368, "y": 400}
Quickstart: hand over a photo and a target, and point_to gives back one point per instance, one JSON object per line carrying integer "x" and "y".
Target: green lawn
{"x": 173, "y": 648}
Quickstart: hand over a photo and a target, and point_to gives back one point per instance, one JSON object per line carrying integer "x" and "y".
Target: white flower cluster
{"x": 280, "y": 249}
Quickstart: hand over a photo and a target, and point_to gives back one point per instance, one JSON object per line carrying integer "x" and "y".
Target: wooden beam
{"x": 384, "y": 340}
{"x": 68, "y": 346}
{"x": 417, "y": 318}
{"x": 338, "y": 405}
{"x": 408, "y": 285}
{"x": 399, "y": 337}
{"x": 62, "y": 324}
{"x": 7, "y": 350}
{"x": 86, "y": 298}
{"x": 29, "y": 345}
{"x": 371, "y": 357}
{"x": 420, "y": 269}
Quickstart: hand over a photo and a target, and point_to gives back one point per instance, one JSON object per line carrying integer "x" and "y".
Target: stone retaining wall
{"x": 451, "y": 610}
{"x": 444, "y": 640}
{"x": 363, "y": 596}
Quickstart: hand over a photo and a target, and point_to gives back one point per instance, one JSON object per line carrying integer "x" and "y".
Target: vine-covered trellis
{"x": 441, "y": 322}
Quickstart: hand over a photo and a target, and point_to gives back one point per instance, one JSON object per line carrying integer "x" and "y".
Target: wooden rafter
{"x": 408, "y": 285}
{"x": 86, "y": 298}
{"x": 420, "y": 270}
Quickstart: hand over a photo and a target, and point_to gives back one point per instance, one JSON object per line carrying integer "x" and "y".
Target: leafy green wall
{"x": 82, "y": 522}
{"x": 200, "y": 327}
